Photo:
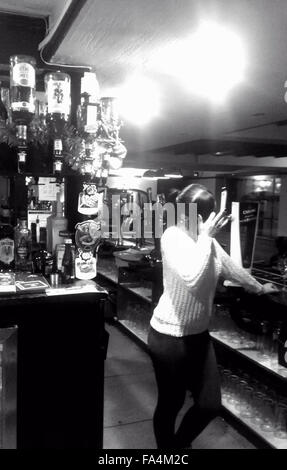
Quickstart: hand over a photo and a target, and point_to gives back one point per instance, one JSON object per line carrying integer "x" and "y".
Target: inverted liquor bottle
{"x": 58, "y": 94}
{"x": 22, "y": 100}
{"x": 88, "y": 113}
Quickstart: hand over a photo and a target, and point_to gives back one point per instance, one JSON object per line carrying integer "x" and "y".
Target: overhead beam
{"x": 62, "y": 29}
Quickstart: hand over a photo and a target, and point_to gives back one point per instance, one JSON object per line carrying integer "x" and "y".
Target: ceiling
{"x": 119, "y": 37}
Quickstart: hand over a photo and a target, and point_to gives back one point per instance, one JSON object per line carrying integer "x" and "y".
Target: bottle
{"x": 22, "y": 100}
{"x": 148, "y": 232}
{"x": 68, "y": 262}
{"x": 43, "y": 261}
{"x": 3, "y": 111}
{"x": 7, "y": 252}
{"x": 109, "y": 110}
{"x": 22, "y": 88}
{"x": 58, "y": 95}
{"x": 22, "y": 246}
{"x": 37, "y": 229}
{"x": 56, "y": 223}
{"x": 88, "y": 113}
{"x": 21, "y": 134}
{"x": 5, "y": 214}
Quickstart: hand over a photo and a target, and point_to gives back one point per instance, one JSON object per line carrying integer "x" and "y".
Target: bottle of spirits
{"x": 7, "y": 255}
{"x": 21, "y": 134}
{"x": 56, "y": 223}
{"x": 5, "y": 212}
{"x": 68, "y": 262}
{"x": 22, "y": 246}
{"x": 3, "y": 111}
{"x": 88, "y": 112}
{"x": 22, "y": 99}
{"x": 58, "y": 94}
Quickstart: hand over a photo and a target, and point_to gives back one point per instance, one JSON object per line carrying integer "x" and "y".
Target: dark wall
{"x": 19, "y": 35}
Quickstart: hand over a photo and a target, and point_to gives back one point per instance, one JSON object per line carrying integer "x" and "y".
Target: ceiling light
{"x": 209, "y": 63}
{"x": 139, "y": 100}
{"x": 155, "y": 174}
{"x": 174, "y": 174}
{"x": 150, "y": 175}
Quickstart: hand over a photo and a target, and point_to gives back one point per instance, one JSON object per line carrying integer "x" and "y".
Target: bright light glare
{"x": 210, "y": 62}
{"x": 115, "y": 163}
{"x": 139, "y": 100}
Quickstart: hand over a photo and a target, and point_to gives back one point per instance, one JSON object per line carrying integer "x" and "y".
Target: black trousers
{"x": 181, "y": 364}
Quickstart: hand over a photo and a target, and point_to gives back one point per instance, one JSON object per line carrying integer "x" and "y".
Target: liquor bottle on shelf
{"x": 68, "y": 262}
{"x": 22, "y": 246}
{"x": 58, "y": 93}
{"x": 56, "y": 223}
{"x": 7, "y": 251}
{"x": 22, "y": 100}
{"x": 3, "y": 111}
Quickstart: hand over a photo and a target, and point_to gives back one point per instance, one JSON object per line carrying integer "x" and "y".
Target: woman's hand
{"x": 270, "y": 288}
{"x": 213, "y": 224}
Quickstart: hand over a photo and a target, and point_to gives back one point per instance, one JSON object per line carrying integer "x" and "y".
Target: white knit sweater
{"x": 190, "y": 274}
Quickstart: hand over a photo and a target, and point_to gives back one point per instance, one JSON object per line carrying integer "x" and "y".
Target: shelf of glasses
{"x": 269, "y": 436}
{"x": 132, "y": 327}
{"x": 145, "y": 293}
{"x": 267, "y": 276}
{"x": 106, "y": 268}
{"x": 247, "y": 349}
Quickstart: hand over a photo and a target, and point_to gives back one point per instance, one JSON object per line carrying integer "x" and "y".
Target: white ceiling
{"x": 118, "y": 37}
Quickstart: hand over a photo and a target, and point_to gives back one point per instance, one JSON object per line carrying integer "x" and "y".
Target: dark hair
{"x": 200, "y": 195}
{"x": 172, "y": 195}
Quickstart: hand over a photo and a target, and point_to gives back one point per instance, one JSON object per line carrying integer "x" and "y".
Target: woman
{"x": 179, "y": 341}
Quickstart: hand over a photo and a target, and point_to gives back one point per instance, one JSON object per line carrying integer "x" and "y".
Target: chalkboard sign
{"x": 282, "y": 350}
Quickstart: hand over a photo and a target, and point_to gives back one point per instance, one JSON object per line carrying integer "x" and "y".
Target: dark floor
{"x": 130, "y": 397}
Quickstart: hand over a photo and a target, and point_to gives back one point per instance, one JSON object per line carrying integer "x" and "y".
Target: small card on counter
{"x": 26, "y": 282}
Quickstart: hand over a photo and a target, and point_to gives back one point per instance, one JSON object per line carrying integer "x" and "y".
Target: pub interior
{"x": 107, "y": 109}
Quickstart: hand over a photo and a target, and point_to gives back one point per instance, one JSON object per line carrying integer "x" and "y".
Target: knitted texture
{"x": 190, "y": 274}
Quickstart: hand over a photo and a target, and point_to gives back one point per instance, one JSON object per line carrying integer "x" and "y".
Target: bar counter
{"x": 55, "y": 348}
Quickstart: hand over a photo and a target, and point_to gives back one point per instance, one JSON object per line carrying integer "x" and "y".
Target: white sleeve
{"x": 185, "y": 256}
{"x": 232, "y": 271}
